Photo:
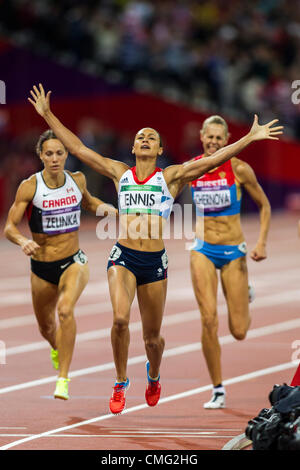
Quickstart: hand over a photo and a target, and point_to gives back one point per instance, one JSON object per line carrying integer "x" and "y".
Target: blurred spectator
{"x": 224, "y": 56}
{"x": 19, "y": 160}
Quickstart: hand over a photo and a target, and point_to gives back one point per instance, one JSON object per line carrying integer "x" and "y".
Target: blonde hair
{"x": 215, "y": 120}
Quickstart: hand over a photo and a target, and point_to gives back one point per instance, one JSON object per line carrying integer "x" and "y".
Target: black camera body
{"x": 278, "y": 427}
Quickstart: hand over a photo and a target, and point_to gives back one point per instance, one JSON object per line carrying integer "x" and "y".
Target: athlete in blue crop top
{"x": 221, "y": 245}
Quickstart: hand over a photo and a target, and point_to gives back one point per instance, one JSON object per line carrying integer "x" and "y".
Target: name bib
{"x": 212, "y": 200}
{"x": 61, "y": 220}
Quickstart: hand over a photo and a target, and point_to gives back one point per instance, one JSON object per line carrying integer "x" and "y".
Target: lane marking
{"x": 102, "y": 333}
{"x": 187, "y": 348}
{"x": 177, "y": 396}
{"x": 214, "y": 436}
{"x": 190, "y": 315}
{"x": 173, "y": 294}
{"x": 13, "y": 427}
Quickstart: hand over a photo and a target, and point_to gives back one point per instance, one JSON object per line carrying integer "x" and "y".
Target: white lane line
{"x": 138, "y": 435}
{"x": 102, "y": 333}
{"x": 81, "y": 311}
{"x": 174, "y": 294}
{"x": 13, "y": 427}
{"x": 170, "y": 430}
{"x": 187, "y": 348}
{"x": 265, "y": 301}
{"x": 177, "y": 396}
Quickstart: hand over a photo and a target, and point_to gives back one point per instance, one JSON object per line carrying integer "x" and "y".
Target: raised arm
{"x": 24, "y": 195}
{"x": 106, "y": 166}
{"x": 192, "y": 170}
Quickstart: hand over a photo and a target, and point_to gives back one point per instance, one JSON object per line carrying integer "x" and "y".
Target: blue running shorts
{"x": 220, "y": 254}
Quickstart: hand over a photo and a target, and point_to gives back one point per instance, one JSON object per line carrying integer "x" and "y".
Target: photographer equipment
{"x": 278, "y": 427}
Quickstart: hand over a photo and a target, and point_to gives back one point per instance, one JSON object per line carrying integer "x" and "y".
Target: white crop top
{"x": 55, "y": 211}
{"x": 150, "y": 196}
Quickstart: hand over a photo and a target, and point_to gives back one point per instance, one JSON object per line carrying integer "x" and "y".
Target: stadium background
{"x": 115, "y": 66}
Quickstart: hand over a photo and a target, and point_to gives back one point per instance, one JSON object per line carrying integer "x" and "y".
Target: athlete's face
{"x": 213, "y": 138}
{"x": 53, "y": 155}
{"x": 147, "y": 143}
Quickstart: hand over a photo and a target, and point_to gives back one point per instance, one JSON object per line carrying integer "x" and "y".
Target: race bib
{"x": 212, "y": 200}
{"x": 61, "y": 220}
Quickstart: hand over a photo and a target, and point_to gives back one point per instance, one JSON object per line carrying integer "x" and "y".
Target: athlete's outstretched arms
{"x": 192, "y": 170}
{"x": 106, "y": 166}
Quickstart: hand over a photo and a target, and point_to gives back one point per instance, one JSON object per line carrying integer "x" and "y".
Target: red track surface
{"x": 179, "y": 422}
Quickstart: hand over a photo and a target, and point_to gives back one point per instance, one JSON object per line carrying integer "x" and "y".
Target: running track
{"x": 32, "y": 419}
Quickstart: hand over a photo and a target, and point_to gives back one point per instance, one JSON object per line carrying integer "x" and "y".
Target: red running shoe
{"x": 117, "y": 401}
{"x": 153, "y": 389}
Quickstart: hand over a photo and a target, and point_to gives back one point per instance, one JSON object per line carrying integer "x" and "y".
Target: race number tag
{"x": 80, "y": 258}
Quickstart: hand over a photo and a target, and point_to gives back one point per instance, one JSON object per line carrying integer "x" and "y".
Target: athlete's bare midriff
{"x": 223, "y": 230}
{"x": 55, "y": 247}
{"x": 142, "y": 232}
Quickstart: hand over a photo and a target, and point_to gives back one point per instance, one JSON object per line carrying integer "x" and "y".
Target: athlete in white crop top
{"x": 52, "y": 199}
{"x": 133, "y": 274}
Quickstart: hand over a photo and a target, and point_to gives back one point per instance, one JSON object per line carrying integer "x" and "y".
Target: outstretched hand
{"x": 39, "y": 100}
{"x": 265, "y": 131}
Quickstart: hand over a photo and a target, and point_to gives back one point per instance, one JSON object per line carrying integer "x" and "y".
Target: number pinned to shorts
{"x": 80, "y": 258}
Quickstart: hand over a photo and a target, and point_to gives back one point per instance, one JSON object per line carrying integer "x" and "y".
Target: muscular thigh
{"x": 234, "y": 278}
{"x": 44, "y": 298}
{"x": 205, "y": 282}
{"x": 122, "y": 288}
{"x": 72, "y": 282}
{"x": 151, "y": 299}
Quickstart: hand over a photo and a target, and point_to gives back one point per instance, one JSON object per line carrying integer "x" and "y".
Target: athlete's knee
{"x": 65, "y": 311}
{"x": 153, "y": 341}
{"x": 120, "y": 323}
{"x": 47, "y": 329}
{"x": 209, "y": 323}
{"x": 239, "y": 332}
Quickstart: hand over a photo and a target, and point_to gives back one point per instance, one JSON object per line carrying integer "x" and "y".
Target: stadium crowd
{"x": 223, "y": 56}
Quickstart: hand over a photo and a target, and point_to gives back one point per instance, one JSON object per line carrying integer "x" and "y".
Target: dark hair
{"x": 159, "y": 136}
{"x": 47, "y": 135}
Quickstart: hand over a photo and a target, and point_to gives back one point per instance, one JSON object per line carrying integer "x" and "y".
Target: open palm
{"x": 266, "y": 131}
{"x": 39, "y": 100}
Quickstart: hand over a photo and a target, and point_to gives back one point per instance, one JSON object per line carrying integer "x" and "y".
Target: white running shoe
{"x": 216, "y": 401}
{"x": 251, "y": 293}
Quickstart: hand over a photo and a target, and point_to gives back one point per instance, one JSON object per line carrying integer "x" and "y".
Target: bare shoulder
{"x": 26, "y": 189}
{"x": 121, "y": 169}
{"x": 79, "y": 178}
{"x": 242, "y": 170}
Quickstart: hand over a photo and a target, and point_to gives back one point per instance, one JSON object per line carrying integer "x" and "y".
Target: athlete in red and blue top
{"x": 220, "y": 244}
